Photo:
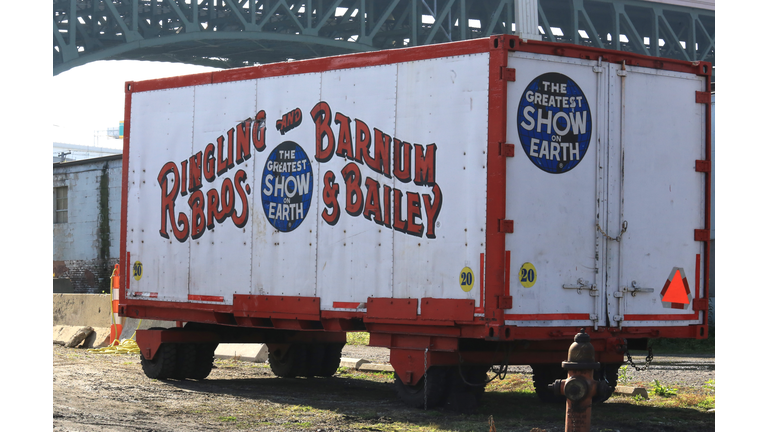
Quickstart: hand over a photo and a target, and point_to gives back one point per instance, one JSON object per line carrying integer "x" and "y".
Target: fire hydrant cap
{"x": 581, "y": 354}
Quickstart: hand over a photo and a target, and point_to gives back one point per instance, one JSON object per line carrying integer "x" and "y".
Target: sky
{"x": 90, "y": 98}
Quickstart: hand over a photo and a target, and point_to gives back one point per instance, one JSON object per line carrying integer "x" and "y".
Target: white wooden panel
{"x": 161, "y": 132}
{"x": 444, "y": 103}
{"x": 355, "y": 252}
{"x": 663, "y": 194}
{"x": 552, "y": 190}
{"x": 220, "y": 256}
{"x": 284, "y": 213}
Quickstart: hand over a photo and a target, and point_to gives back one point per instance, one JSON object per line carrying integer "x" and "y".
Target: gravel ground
{"x": 682, "y": 370}
{"x": 97, "y": 392}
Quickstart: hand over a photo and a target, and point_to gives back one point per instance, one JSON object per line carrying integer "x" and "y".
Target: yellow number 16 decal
{"x": 527, "y": 275}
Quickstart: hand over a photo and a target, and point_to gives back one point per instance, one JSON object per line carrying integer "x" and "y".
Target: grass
{"x": 358, "y": 338}
{"x": 385, "y": 377}
{"x": 662, "y": 390}
{"x": 370, "y": 405}
{"x": 685, "y": 346}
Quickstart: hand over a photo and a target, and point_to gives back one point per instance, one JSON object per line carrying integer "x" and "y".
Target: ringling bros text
{"x": 405, "y": 211}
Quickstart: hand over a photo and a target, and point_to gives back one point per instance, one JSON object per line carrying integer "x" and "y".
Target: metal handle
{"x": 635, "y": 289}
{"x": 583, "y": 285}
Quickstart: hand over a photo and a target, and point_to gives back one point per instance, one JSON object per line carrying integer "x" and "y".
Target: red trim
{"x": 144, "y": 294}
{"x": 373, "y": 58}
{"x": 347, "y": 305}
{"x": 698, "y": 271}
{"x": 125, "y": 257}
{"x": 639, "y": 317}
{"x": 171, "y": 82}
{"x": 341, "y": 315}
{"x": 277, "y": 305}
{"x": 205, "y": 298}
{"x": 612, "y": 56}
{"x": 707, "y": 197}
{"x": 496, "y": 187}
{"x": 480, "y": 308}
{"x": 122, "y": 294}
{"x": 546, "y": 317}
{"x": 507, "y": 273}
{"x": 392, "y": 308}
{"x": 447, "y": 309}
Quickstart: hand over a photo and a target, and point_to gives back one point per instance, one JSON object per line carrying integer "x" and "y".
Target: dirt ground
{"x": 100, "y": 392}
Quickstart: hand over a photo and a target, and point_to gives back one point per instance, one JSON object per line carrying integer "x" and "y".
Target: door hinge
{"x": 506, "y": 150}
{"x": 701, "y": 235}
{"x": 703, "y": 166}
{"x": 703, "y": 97}
{"x": 506, "y": 226}
{"x": 700, "y": 304}
{"x": 508, "y": 74}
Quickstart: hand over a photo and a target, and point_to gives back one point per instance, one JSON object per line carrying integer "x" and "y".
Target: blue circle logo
{"x": 286, "y": 186}
{"x": 554, "y": 123}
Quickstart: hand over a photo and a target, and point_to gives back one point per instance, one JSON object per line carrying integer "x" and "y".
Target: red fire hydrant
{"x": 580, "y": 387}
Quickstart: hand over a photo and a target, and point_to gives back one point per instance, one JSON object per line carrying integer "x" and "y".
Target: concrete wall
{"x": 86, "y": 247}
{"x": 82, "y": 310}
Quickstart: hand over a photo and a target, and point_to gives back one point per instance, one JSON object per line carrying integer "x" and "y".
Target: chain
{"x": 425, "y": 378}
{"x": 648, "y": 360}
{"x": 618, "y": 238}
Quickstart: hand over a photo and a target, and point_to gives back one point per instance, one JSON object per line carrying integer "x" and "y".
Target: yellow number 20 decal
{"x": 527, "y": 275}
{"x": 138, "y": 269}
{"x": 466, "y": 279}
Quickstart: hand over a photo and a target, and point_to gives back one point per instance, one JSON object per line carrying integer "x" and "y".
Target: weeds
{"x": 710, "y": 385}
{"x": 624, "y": 376}
{"x": 358, "y": 338}
{"x": 662, "y": 390}
{"x": 685, "y": 346}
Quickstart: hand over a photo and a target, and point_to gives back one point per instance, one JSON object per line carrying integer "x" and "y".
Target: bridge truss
{"x": 237, "y": 33}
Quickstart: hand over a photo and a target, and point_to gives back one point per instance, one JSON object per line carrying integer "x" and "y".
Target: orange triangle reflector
{"x": 677, "y": 292}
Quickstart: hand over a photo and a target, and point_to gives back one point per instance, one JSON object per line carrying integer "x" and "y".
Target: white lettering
{"x": 528, "y": 125}
{"x": 534, "y": 147}
{"x": 268, "y": 188}
{"x": 558, "y": 116}
{"x": 542, "y": 120}
{"x": 579, "y": 123}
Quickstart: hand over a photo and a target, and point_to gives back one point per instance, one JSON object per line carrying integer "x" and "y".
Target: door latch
{"x": 634, "y": 289}
{"x": 583, "y": 285}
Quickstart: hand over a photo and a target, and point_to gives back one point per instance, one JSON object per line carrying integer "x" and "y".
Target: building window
{"x": 60, "y": 205}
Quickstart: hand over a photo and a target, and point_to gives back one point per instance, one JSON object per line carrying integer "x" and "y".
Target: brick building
{"x": 86, "y": 223}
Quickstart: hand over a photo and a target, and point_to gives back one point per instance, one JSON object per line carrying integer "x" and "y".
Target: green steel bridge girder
{"x": 237, "y": 33}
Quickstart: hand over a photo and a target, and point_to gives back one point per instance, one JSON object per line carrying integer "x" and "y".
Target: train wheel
{"x": 610, "y": 373}
{"x": 288, "y": 360}
{"x": 315, "y": 356}
{"x": 186, "y": 355}
{"x": 163, "y": 365}
{"x": 203, "y": 360}
{"x": 433, "y": 384}
{"x": 544, "y": 375}
{"x": 331, "y": 359}
{"x": 467, "y": 385}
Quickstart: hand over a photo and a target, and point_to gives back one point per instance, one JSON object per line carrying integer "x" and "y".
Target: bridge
{"x": 237, "y": 33}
